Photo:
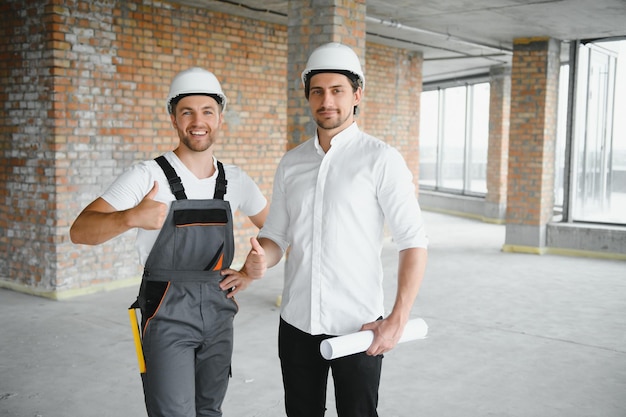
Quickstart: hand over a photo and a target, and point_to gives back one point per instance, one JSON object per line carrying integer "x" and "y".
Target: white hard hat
{"x": 195, "y": 81}
{"x": 331, "y": 57}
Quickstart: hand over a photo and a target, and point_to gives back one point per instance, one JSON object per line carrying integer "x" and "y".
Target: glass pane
{"x": 453, "y": 145}
{"x": 479, "y": 139}
{"x": 429, "y": 121}
{"x": 616, "y": 212}
{"x": 600, "y": 160}
{"x": 589, "y": 193}
{"x": 561, "y": 135}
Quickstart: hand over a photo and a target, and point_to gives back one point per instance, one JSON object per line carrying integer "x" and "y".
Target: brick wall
{"x": 83, "y": 91}
{"x": 27, "y": 183}
{"x": 311, "y": 24}
{"x": 83, "y": 88}
{"x": 392, "y": 100}
{"x": 532, "y": 137}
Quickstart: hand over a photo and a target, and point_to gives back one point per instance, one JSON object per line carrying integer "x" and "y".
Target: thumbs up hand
{"x": 254, "y": 268}
{"x": 150, "y": 214}
{"x": 255, "y": 265}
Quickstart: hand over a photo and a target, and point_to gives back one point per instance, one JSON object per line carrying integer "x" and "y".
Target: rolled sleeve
{"x": 399, "y": 203}
{"x": 277, "y": 222}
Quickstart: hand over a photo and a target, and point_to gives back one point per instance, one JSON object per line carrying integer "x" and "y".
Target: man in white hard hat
{"x": 332, "y": 195}
{"x": 182, "y": 204}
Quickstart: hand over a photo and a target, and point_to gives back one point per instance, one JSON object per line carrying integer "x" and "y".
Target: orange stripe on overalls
{"x": 220, "y": 261}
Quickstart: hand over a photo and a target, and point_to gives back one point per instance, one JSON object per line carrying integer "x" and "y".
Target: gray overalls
{"x": 187, "y": 320}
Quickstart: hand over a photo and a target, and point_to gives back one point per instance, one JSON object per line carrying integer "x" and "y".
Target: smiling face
{"x": 197, "y": 120}
{"x": 332, "y": 100}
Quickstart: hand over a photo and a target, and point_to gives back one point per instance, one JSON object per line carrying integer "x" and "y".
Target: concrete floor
{"x": 509, "y": 335}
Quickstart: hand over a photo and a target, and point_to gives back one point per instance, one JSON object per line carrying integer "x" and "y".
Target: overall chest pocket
{"x": 200, "y": 237}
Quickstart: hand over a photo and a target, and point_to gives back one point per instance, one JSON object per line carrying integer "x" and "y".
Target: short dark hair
{"x": 174, "y": 101}
{"x": 354, "y": 79}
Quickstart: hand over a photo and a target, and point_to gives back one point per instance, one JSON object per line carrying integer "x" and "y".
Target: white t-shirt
{"x": 132, "y": 186}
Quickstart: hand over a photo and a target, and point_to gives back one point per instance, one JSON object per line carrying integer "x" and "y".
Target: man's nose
{"x": 327, "y": 99}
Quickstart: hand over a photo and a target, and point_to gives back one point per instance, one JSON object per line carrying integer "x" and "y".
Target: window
{"x": 561, "y": 139}
{"x": 454, "y": 134}
{"x": 429, "y": 138}
{"x": 452, "y": 162}
{"x": 597, "y": 183}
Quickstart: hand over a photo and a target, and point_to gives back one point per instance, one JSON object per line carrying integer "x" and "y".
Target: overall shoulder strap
{"x": 176, "y": 184}
{"x": 220, "y": 182}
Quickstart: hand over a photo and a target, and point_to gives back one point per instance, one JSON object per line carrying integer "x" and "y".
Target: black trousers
{"x": 305, "y": 375}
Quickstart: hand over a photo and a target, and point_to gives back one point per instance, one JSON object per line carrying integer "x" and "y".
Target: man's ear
{"x": 357, "y": 96}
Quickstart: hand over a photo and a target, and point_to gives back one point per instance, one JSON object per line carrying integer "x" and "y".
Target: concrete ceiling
{"x": 460, "y": 38}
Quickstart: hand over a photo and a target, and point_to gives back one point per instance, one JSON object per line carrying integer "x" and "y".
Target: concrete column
{"x": 498, "y": 150}
{"x": 311, "y": 24}
{"x": 532, "y": 137}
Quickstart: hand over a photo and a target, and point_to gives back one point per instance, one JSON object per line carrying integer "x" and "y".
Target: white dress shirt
{"x": 131, "y": 187}
{"x": 330, "y": 210}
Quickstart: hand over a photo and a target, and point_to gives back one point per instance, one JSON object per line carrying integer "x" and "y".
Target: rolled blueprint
{"x": 336, "y": 347}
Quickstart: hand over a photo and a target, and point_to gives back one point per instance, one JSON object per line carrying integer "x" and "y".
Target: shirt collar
{"x": 339, "y": 139}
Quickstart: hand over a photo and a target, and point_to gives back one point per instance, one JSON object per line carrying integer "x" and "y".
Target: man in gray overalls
{"x": 182, "y": 204}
